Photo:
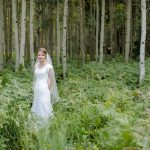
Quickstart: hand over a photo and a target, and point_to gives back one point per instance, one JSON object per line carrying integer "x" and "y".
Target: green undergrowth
{"x": 101, "y": 108}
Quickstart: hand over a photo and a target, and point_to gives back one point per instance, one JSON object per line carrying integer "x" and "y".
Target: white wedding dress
{"x": 42, "y": 106}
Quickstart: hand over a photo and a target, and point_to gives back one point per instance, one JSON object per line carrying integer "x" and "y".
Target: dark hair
{"x": 43, "y": 50}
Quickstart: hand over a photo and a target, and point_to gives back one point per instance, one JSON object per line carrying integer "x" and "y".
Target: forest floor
{"x": 101, "y": 108}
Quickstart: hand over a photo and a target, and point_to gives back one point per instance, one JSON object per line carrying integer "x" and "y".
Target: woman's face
{"x": 41, "y": 57}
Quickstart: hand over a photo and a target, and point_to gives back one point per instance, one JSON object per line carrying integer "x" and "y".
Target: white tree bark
{"x": 64, "y": 42}
{"x": 23, "y": 32}
{"x": 58, "y": 34}
{"x": 128, "y": 30}
{"x": 97, "y": 28}
{"x": 142, "y": 44}
{"x": 31, "y": 33}
{"x": 16, "y": 37}
{"x": 102, "y": 32}
{"x": 1, "y": 34}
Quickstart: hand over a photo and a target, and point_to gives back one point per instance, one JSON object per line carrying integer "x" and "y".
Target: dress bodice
{"x": 41, "y": 75}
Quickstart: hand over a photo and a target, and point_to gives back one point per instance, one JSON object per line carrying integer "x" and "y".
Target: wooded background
{"x": 83, "y": 30}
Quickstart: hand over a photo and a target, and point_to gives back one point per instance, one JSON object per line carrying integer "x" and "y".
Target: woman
{"x": 45, "y": 88}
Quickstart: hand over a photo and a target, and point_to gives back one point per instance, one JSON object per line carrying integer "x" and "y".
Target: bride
{"x": 45, "y": 88}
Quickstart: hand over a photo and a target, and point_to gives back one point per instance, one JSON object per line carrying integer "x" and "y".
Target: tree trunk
{"x": 40, "y": 22}
{"x": 1, "y": 34}
{"x": 15, "y": 24}
{"x": 102, "y": 32}
{"x": 58, "y": 34}
{"x": 51, "y": 25}
{"x": 97, "y": 28}
{"x": 54, "y": 40}
{"x": 47, "y": 30}
{"x": 128, "y": 30}
{"x": 77, "y": 41}
{"x": 64, "y": 38}
{"x": 71, "y": 48}
{"x": 31, "y": 33}
{"x": 91, "y": 29}
{"x": 82, "y": 42}
{"x": 10, "y": 32}
{"x": 113, "y": 36}
{"x": 6, "y": 37}
{"x": 23, "y": 32}
{"x": 142, "y": 44}
{"x": 37, "y": 42}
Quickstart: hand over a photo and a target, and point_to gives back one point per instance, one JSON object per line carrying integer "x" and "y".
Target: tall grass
{"x": 101, "y": 107}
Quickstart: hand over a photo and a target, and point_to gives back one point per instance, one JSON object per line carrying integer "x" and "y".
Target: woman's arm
{"x": 34, "y": 78}
{"x": 49, "y": 79}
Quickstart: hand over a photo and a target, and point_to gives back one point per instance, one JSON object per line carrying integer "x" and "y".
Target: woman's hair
{"x": 43, "y": 50}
